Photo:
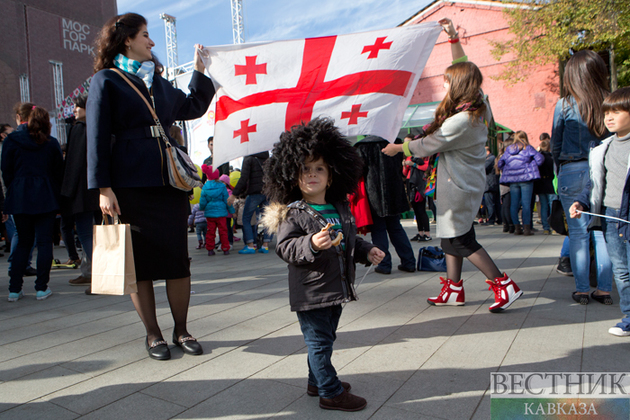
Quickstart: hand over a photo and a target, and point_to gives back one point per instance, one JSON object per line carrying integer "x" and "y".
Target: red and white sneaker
{"x": 505, "y": 293}
{"x": 452, "y": 294}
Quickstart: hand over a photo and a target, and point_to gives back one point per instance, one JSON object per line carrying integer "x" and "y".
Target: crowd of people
{"x": 310, "y": 195}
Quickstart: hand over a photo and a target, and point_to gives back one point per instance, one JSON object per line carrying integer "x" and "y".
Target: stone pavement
{"x": 77, "y": 356}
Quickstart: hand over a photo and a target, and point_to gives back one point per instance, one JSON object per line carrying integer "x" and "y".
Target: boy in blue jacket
{"x": 213, "y": 202}
{"x": 608, "y": 193}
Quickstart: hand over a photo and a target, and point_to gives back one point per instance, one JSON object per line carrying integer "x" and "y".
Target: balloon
{"x": 234, "y": 177}
{"x": 197, "y": 191}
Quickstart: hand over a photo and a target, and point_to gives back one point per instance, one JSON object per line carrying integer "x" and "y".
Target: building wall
{"x": 34, "y": 32}
{"x": 527, "y": 105}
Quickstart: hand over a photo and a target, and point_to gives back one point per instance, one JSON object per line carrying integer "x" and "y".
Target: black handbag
{"x": 557, "y": 219}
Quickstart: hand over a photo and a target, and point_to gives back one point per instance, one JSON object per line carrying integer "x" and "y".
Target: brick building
{"x": 46, "y": 49}
{"x": 527, "y": 105}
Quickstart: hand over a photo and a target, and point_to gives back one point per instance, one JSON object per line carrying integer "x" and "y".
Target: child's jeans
{"x": 213, "y": 224}
{"x": 545, "y": 208}
{"x": 619, "y": 252}
{"x": 201, "y": 229}
{"x": 319, "y": 327}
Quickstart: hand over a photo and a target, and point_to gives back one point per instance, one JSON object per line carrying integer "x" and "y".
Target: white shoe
{"x": 618, "y": 332}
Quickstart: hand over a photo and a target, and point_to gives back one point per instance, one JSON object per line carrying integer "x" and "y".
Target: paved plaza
{"x": 77, "y": 356}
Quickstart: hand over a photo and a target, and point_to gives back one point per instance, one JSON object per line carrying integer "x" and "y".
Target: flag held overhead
{"x": 363, "y": 81}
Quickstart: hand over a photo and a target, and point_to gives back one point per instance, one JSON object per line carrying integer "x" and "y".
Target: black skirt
{"x": 462, "y": 246}
{"x": 158, "y": 217}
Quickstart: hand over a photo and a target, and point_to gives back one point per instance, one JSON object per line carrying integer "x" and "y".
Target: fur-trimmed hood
{"x": 274, "y": 214}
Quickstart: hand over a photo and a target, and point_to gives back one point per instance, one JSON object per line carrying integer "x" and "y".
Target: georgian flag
{"x": 363, "y": 81}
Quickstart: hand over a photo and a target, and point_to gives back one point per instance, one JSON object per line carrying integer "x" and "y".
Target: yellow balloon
{"x": 234, "y": 177}
{"x": 197, "y": 191}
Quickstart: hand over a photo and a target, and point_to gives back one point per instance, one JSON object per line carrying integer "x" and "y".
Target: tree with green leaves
{"x": 546, "y": 31}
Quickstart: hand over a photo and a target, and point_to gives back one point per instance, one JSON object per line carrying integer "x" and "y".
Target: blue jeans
{"x": 251, "y": 205}
{"x": 521, "y": 193}
{"x": 602, "y": 261}
{"x": 12, "y": 233}
{"x": 201, "y": 229}
{"x": 572, "y": 178}
{"x": 619, "y": 251}
{"x": 565, "y": 251}
{"x": 319, "y": 327}
{"x": 391, "y": 225}
{"x": 545, "y": 208}
{"x": 493, "y": 205}
{"x": 29, "y": 226}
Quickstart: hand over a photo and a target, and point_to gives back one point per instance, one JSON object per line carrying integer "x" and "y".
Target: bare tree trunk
{"x": 613, "y": 69}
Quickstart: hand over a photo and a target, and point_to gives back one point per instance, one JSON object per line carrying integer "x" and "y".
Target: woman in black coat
{"x": 32, "y": 168}
{"x": 127, "y": 163}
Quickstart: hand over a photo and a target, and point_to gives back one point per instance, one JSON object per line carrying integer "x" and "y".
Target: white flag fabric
{"x": 363, "y": 81}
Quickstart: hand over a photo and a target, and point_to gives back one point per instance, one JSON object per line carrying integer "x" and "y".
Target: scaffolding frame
{"x": 58, "y": 98}
{"x": 172, "y": 60}
{"x": 237, "y": 21}
{"x": 25, "y": 90}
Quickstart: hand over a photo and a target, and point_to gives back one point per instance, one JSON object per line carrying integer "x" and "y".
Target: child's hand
{"x": 392, "y": 149}
{"x": 375, "y": 256}
{"x": 575, "y": 209}
{"x": 321, "y": 240}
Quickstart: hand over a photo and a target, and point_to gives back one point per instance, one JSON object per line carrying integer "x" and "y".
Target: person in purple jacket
{"x": 519, "y": 168}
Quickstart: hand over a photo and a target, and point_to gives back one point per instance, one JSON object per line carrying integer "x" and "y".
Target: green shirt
{"x": 329, "y": 212}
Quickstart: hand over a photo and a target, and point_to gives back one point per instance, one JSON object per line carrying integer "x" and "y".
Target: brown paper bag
{"x": 113, "y": 269}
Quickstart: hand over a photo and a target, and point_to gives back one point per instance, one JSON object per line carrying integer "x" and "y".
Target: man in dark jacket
{"x": 492, "y": 196}
{"x": 250, "y": 185}
{"x": 223, "y": 169}
{"x": 81, "y": 204}
{"x": 386, "y": 195}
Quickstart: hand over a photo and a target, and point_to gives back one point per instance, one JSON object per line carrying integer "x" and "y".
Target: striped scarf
{"x": 143, "y": 70}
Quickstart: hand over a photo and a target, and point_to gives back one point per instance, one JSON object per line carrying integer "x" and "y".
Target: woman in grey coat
{"x": 459, "y": 133}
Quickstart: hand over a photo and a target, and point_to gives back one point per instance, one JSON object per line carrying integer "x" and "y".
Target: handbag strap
{"x": 151, "y": 109}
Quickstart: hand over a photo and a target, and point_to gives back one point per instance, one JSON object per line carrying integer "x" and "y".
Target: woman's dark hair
{"x": 545, "y": 146}
{"x": 619, "y": 100}
{"x": 111, "y": 40}
{"x": 4, "y": 127}
{"x": 465, "y": 81}
{"x": 39, "y": 125}
{"x": 81, "y": 100}
{"x": 544, "y": 136}
{"x": 176, "y": 133}
{"x": 23, "y": 109}
{"x": 586, "y": 80}
{"x": 306, "y": 142}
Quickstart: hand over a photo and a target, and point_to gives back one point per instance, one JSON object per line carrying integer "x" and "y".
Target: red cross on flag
{"x": 363, "y": 81}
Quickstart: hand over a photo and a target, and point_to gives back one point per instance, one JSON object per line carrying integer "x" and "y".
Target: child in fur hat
{"x": 307, "y": 179}
{"x": 213, "y": 202}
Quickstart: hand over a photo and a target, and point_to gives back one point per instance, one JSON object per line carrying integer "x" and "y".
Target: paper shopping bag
{"x": 113, "y": 269}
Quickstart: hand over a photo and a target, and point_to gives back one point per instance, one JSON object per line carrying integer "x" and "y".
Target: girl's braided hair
{"x": 316, "y": 139}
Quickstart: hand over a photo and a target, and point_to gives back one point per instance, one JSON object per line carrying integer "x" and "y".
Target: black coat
{"x": 76, "y": 197}
{"x": 544, "y": 185}
{"x": 32, "y": 173}
{"x": 492, "y": 178}
{"x": 383, "y": 178}
{"x": 325, "y": 278}
{"x": 121, "y": 150}
{"x": 251, "y": 181}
